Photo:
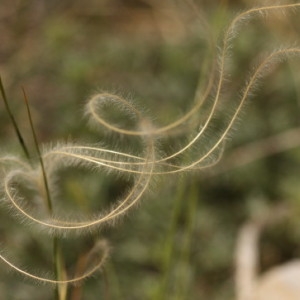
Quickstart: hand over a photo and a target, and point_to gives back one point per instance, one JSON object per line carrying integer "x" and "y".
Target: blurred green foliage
{"x": 179, "y": 243}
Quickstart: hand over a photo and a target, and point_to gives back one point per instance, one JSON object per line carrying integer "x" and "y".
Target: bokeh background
{"x": 179, "y": 243}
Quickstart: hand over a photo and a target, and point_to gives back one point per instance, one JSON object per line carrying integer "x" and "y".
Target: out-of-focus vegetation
{"x": 179, "y": 243}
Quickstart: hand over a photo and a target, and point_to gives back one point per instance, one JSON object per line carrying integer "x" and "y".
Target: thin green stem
{"x": 56, "y": 247}
{"x": 58, "y": 259}
{"x": 15, "y": 125}
{"x": 184, "y": 281}
{"x": 170, "y": 258}
{"x": 168, "y": 252}
{"x": 49, "y": 203}
{"x": 55, "y": 251}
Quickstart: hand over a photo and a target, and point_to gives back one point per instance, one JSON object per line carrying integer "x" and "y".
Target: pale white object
{"x": 280, "y": 283}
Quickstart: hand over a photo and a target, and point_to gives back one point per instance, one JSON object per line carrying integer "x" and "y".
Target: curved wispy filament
{"x": 144, "y": 165}
{"x": 125, "y": 166}
{"x": 124, "y": 205}
{"x": 228, "y": 37}
{"x": 101, "y": 247}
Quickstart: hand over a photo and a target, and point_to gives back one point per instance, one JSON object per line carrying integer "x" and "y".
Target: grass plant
{"x": 30, "y": 184}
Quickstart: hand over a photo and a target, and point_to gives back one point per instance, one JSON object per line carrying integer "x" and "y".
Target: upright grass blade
{"x": 61, "y": 289}
{"x": 183, "y": 283}
{"x": 167, "y": 258}
{"x": 171, "y": 256}
{"x": 15, "y": 125}
{"x": 49, "y": 203}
